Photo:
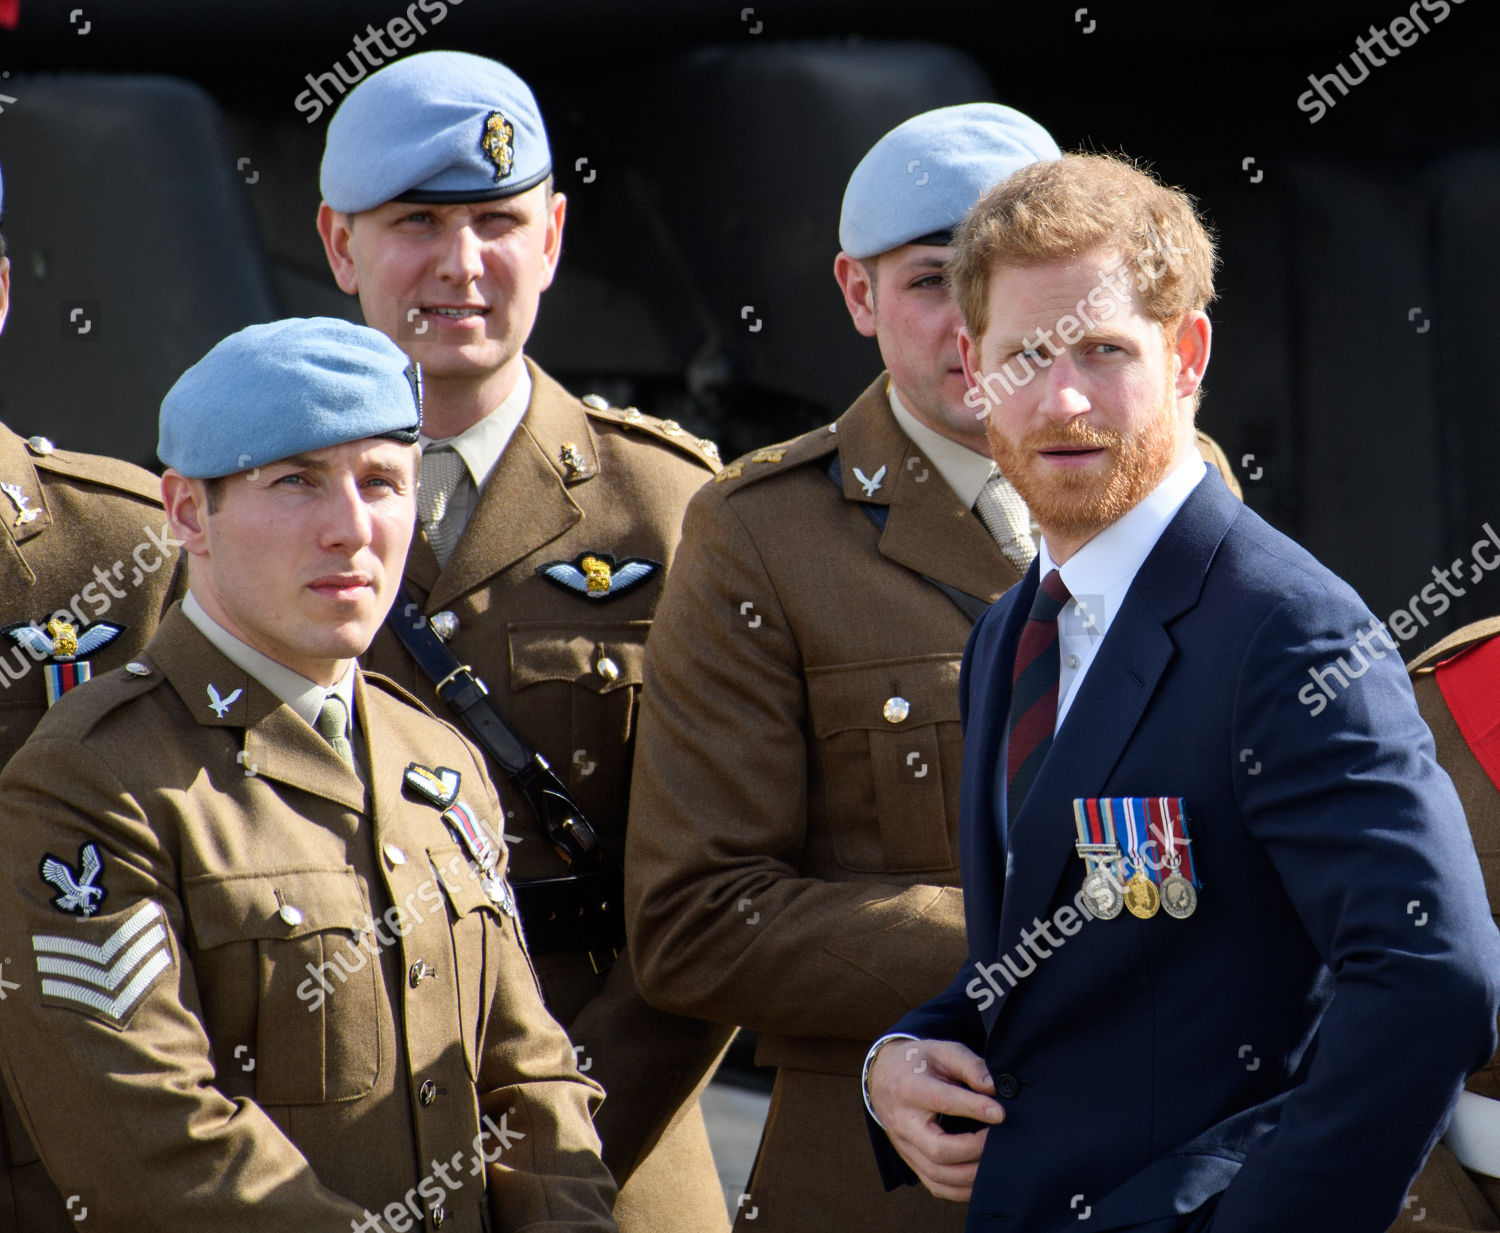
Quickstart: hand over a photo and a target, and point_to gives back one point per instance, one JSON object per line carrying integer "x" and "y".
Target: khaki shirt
{"x": 577, "y": 478}
{"x": 254, "y": 994}
{"x": 799, "y": 756}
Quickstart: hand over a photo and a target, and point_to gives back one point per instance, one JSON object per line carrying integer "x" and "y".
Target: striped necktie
{"x": 1033, "y": 694}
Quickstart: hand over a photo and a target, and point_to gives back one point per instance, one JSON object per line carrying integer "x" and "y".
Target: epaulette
{"x": 1458, "y": 640}
{"x": 96, "y": 701}
{"x": 700, "y": 449}
{"x": 94, "y": 469}
{"x": 775, "y": 459}
{"x": 396, "y": 690}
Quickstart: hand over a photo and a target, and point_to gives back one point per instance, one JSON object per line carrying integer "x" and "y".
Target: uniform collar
{"x": 481, "y": 444}
{"x": 966, "y": 472}
{"x": 305, "y": 697}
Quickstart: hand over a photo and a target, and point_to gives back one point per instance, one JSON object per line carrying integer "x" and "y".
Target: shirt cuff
{"x": 864, "y": 1075}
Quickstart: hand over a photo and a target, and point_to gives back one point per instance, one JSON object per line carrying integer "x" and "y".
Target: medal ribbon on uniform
{"x": 461, "y": 818}
{"x": 1133, "y": 820}
{"x": 1097, "y": 843}
{"x": 1169, "y": 826}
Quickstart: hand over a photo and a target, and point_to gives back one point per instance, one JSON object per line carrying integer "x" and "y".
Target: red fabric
{"x": 1470, "y": 682}
{"x": 10, "y": 13}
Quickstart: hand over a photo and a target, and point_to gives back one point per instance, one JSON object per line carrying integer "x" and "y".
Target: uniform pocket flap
{"x": 601, "y": 656}
{"x": 887, "y": 696}
{"x": 284, "y": 904}
{"x": 458, "y": 877}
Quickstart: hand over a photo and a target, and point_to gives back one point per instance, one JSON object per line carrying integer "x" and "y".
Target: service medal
{"x": 1141, "y": 896}
{"x": 1178, "y": 898}
{"x": 1102, "y": 895}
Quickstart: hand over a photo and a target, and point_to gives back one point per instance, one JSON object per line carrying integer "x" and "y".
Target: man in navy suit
{"x": 1274, "y": 1033}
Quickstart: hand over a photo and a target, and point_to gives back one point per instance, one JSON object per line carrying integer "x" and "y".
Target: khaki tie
{"x": 1007, "y": 519}
{"x": 333, "y": 727}
{"x": 442, "y": 472}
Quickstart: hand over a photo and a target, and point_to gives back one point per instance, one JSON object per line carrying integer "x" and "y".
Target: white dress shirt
{"x": 1100, "y": 573}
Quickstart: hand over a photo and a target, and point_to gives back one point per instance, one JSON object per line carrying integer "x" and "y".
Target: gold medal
{"x": 1141, "y": 896}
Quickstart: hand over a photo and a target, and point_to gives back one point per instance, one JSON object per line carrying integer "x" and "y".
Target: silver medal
{"x": 1102, "y": 895}
{"x": 1178, "y": 897}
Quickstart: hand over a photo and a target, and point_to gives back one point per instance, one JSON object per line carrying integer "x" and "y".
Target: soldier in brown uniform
{"x": 267, "y": 968}
{"x": 800, "y": 748}
{"x": 87, "y": 565}
{"x": 1457, "y": 683}
{"x": 548, "y": 526}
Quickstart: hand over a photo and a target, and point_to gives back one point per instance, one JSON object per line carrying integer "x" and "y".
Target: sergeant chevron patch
{"x": 597, "y": 575}
{"x": 106, "y": 978}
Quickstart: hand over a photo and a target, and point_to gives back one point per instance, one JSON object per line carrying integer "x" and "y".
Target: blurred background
{"x": 161, "y": 158}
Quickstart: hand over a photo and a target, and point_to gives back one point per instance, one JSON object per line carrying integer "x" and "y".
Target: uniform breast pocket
{"x": 888, "y": 754}
{"x": 300, "y": 941}
{"x": 576, "y": 688}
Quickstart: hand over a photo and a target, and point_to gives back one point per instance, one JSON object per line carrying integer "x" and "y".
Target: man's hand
{"x": 911, "y": 1082}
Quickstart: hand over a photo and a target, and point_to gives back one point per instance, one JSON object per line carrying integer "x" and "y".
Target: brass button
{"x": 428, "y": 1092}
{"x": 444, "y": 624}
{"x": 40, "y": 445}
{"x": 136, "y": 668}
{"x": 292, "y": 915}
{"x": 595, "y": 401}
{"x": 895, "y": 709}
{"x": 438, "y": 1216}
{"x": 419, "y": 972}
{"x": 394, "y": 854}
{"x": 608, "y": 669}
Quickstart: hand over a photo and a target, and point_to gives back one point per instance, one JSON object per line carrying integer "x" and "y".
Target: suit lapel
{"x": 1108, "y": 711}
{"x": 927, "y": 530}
{"x": 524, "y": 506}
{"x": 277, "y": 744}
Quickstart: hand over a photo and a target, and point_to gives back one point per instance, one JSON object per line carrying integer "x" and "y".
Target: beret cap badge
{"x": 498, "y": 144}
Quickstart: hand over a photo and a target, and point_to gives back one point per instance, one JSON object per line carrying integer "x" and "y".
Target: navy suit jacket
{"x": 1284, "y": 1058}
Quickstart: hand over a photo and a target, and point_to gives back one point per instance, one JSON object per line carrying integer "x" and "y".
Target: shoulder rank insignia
{"x": 76, "y": 894}
{"x": 597, "y": 575}
{"x": 497, "y": 144}
{"x": 436, "y": 784}
{"x": 771, "y": 455}
{"x": 64, "y": 648}
{"x": 22, "y": 502}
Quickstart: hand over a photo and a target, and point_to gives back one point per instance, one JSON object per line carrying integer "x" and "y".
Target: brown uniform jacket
{"x": 1447, "y": 1198}
{"x": 565, "y": 670}
{"x": 95, "y": 543}
{"x": 294, "y": 998}
{"x": 98, "y": 546}
{"x": 800, "y": 876}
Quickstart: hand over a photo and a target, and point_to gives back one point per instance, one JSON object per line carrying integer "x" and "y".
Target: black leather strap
{"x": 467, "y": 696}
{"x": 970, "y": 605}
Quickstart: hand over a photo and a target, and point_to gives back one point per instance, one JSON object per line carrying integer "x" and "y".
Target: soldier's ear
{"x": 334, "y": 229}
{"x": 186, "y": 501}
{"x": 857, "y": 282}
{"x": 4, "y": 289}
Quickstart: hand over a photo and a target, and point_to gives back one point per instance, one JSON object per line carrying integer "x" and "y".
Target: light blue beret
{"x": 284, "y": 388}
{"x": 439, "y": 126}
{"x": 919, "y": 180}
